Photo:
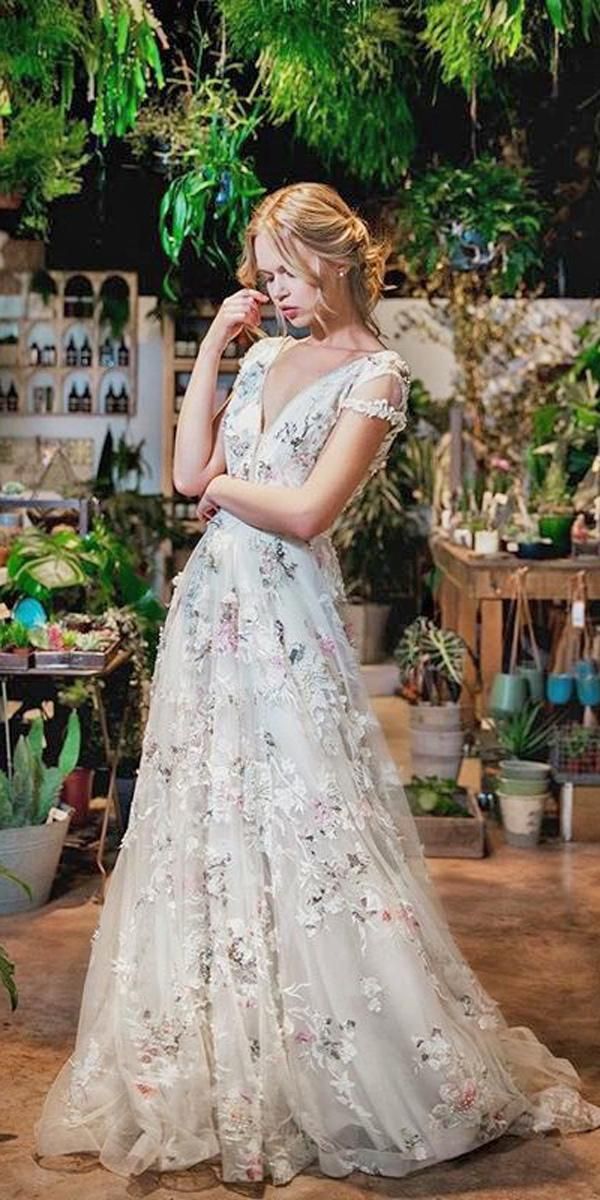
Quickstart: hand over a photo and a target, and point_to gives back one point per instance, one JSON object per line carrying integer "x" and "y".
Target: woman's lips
{"x": 290, "y": 312}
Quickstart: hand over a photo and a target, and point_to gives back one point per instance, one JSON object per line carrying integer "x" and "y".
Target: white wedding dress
{"x": 273, "y": 982}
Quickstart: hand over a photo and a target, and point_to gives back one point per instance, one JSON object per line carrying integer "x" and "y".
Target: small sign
{"x": 578, "y": 614}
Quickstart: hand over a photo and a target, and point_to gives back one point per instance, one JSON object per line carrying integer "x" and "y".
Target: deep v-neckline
{"x": 262, "y": 432}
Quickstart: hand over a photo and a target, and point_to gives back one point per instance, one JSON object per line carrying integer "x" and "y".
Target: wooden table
{"x": 474, "y": 586}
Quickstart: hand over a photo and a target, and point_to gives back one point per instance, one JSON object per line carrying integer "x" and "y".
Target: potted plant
{"x": 7, "y": 967}
{"x": 14, "y": 646}
{"x": 76, "y": 791}
{"x": 523, "y": 783}
{"x": 31, "y": 841}
{"x": 555, "y": 509}
{"x": 448, "y": 820}
{"x": 431, "y": 662}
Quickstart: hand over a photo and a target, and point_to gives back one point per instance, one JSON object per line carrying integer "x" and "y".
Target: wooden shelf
{"x": 55, "y": 330}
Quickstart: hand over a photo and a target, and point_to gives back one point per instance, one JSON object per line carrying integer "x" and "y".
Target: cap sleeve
{"x": 381, "y": 390}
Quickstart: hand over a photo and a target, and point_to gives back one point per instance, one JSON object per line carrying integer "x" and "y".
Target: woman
{"x": 272, "y": 983}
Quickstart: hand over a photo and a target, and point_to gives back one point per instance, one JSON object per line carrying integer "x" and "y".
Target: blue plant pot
{"x": 559, "y": 688}
{"x": 585, "y": 668}
{"x": 588, "y": 690}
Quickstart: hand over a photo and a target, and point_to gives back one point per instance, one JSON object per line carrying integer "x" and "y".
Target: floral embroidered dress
{"x": 272, "y": 982}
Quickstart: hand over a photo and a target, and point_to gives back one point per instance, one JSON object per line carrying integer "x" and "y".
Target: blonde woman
{"x": 272, "y": 983}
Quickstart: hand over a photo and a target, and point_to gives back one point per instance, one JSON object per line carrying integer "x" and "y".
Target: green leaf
{"x": 7, "y": 978}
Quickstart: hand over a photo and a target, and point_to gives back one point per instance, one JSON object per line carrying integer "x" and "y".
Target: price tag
{"x": 578, "y": 614}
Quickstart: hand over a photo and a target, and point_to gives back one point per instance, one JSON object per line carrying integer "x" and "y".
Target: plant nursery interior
{"x": 137, "y": 139}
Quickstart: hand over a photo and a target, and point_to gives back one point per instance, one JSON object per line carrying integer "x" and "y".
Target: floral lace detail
{"x": 377, "y": 408}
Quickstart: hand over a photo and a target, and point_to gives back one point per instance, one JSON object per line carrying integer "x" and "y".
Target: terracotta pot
{"x": 10, "y": 200}
{"x": 77, "y": 793}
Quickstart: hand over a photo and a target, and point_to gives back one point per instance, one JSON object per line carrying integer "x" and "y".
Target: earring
{"x": 340, "y": 273}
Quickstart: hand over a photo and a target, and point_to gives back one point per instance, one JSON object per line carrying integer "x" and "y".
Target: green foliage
{"x": 496, "y": 201}
{"x": 333, "y": 71}
{"x": 27, "y": 796}
{"x": 431, "y": 662}
{"x": 429, "y": 795}
{"x": 42, "y": 160}
{"x": 46, "y": 48}
{"x": 7, "y": 968}
{"x": 209, "y": 204}
{"x": 486, "y": 34}
{"x": 124, "y": 59}
{"x": 527, "y": 733}
{"x": 13, "y": 636}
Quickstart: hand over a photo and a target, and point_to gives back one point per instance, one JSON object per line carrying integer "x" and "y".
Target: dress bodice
{"x": 286, "y": 452}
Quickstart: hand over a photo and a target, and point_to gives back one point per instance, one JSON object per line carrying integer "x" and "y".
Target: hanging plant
{"x": 483, "y": 218}
{"x": 333, "y": 71}
{"x": 41, "y": 160}
{"x": 209, "y": 204}
{"x": 123, "y": 60}
{"x": 488, "y": 35}
{"x": 42, "y": 148}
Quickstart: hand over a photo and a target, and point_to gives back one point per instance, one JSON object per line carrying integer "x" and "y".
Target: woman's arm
{"x": 195, "y": 439}
{"x": 308, "y": 510}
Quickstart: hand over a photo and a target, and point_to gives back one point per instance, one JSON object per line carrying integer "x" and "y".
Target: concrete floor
{"x": 527, "y": 921}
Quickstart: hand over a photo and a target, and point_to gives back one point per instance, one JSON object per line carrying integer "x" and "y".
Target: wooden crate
{"x": 454, "y": 837}
{"x": 586, "y": 814}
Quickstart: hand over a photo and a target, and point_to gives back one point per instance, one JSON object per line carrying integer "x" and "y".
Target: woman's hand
{"x": 206, "y": 508}
{"x": 241, "y": 309}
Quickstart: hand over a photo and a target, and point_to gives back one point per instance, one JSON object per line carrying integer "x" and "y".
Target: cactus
{"x": 27, "y": 796}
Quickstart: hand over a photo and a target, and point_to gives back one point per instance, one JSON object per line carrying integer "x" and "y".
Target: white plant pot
{"x": 435, "y": 716}
{"x": 487, "y": 541}
{"x": 33, "y": 854}
{"x": 436, "y": 752}
{"x": 367, "y": 623}
{"x": 522, "y": 819}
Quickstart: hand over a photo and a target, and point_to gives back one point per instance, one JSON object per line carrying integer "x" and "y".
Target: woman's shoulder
{"x": 383, "y": 361}
{"x": 261, "y": 350}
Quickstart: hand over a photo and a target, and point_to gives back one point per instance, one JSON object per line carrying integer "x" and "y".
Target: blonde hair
{"x": 326, "y": 226}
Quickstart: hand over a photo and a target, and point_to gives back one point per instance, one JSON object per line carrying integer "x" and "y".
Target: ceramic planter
{"x": 588, "y": 689}
{"x": 487, "y": 541}
{"x": 522, "y": 819}
{"x": 508, "y": 694}
{"x": 520, "y": 768}
{"x": 435, "y": 716}
{"x": 32, "y": 853}
{"x": 534, "y": 678}
{"x": 559, "y": 688}
{"x": 436, "y": 752}
{"x": 367, "y": 624}
{"x": 76, "y": 792}
{"x": 523, "y": 787}
{"x": 557, "y": 527}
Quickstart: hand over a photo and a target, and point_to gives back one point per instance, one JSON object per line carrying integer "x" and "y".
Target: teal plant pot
{"x": 588, "y": 690}
{"x": 534, "y": 678}
{"x": 559, "y": 688}
{"x": 558, "y": 529}
{"x": 508, "y": 694}
{"x": 585, "y": 668}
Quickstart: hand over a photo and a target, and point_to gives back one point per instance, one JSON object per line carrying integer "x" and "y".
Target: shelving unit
{"x": 59, "y": 357}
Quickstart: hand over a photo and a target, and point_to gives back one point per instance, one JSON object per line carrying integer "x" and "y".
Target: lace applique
{"x": 377, "y": 408}
{"x": 381, "y": 390}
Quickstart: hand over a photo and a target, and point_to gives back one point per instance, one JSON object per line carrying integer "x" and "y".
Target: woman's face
{"x": 293, "y": 296}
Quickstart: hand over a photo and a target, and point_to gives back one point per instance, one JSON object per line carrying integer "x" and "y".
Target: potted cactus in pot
{"x": 431, "y": 662}
{"x": 33, "y": 826}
